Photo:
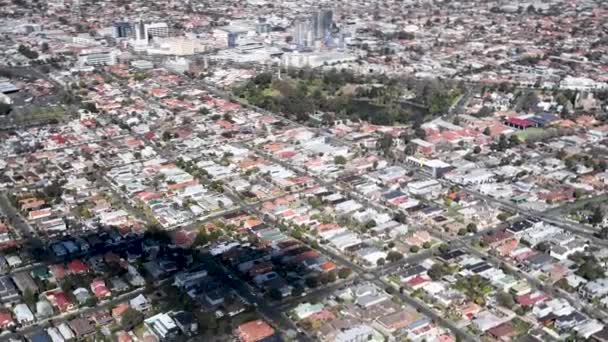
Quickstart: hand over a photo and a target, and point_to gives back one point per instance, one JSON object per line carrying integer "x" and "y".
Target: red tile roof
{"x": 531, "y": 299}
{"x": 99, "y": 288}
{"x": 77, "y": 266}
{"x": 6, "y": 319}
{"x": 254, "y": 331}
{"x": 519, "y": 122}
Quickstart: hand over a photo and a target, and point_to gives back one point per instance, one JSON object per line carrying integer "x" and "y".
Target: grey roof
{"x": 538, "y": 260}
{"x": 24, "y": 281}
{"x": 7, "y": 87}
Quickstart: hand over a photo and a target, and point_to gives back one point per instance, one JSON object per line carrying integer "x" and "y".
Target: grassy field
{"x": 529, "y": 133}
{"x": 38, "y": 115}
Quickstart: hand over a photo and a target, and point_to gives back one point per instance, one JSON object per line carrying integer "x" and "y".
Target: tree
{"x": 477, "y": 150}
{"x": 385, "y": 143}
{"x": 275, "y": 294}
{"x": 206, "y": 320}
{"x": 514, "y": 140}
{"x": 462, "y": 231}
{"x": 590, "y": 269}
{"x": 487, "y": 131}
{"x": 5, "y": 108}
{"x": 29, "y": 297}
{"x": 471, "y": 228}
{"x": 263, "y": 79}
{"x": 344, "y": 272}
{"x": 426, "y": 245}
{"x": 370, "y": 224}
{"x": 505, "y": 299}
{"x": 597, "y": 217}
{"x": 45, "y": 47}
{"x": 503, "y": 216}
{"x": 420, "y": 133}
{"x": 53, "y": 190}
{"x": 414, "y": 249}
{"x": 444, "y": 248}
{"x": 312, "y": 282}
{"x": 90, "y": 106}
{"x": 339, "y": 160}
{"x": 131, "y": 318}
{"x": 203, "y": 111}
{"x": 297, "y": 234}
{"x": 483, "y": 112}
{"x": 91, "y": 302}
{"x": 380, "y": 262}
{"x": 437, "y": 271}
{"x": 327, "y": 278}
{"x": 394, "y": 256}
{"x": 603, "y": 233}
{"x": 27, "y": 52}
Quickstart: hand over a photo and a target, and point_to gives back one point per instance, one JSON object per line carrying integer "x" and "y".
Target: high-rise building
{"x": 154, "y": 30}
{"x": 122, "y": 30}
{"x": 96, "y": 57}
{"x": 147, "y": 31}
{"x": 140, "y": 32}
{"x": 304, "y": 32}
{"x": 317, "y": 27}
{"x": 323, "y": 22}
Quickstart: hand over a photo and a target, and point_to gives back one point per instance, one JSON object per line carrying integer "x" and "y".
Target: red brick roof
{"x": 77, "y": 266}
{"x": 519, "y": 122}
{"x": 6, "y": 319}
{"x": 254, "y": 331}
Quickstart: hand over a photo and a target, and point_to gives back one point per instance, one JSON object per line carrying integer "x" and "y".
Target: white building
{"x": 316, "y": 59}
{"x": 94, "y": 57}
{"x": 424, "y": 187}
{"x": 581, "y": 83}
{"x": 358, "y": 333}
{"x": 156, "y": 30}
{"x": 162, "y": 325}
{"x": 23, "y": 314}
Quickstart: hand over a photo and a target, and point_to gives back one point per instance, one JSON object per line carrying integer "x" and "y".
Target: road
{"x": 367, "y": 274}
{"x": 66, "y": 316}
{"x": 567, "y": 207}
{"x": 547, "y": 288}
{"x": 19, "y": 222}
{"x": 268, "y": 311}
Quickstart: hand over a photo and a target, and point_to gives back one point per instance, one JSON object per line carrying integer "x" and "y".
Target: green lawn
{"x": 529, "y": 133}
{"x": 521, "y": 327}
{"x": 35, "y": 115}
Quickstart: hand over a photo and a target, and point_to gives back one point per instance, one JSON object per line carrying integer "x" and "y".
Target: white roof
{"x": 23, "y": 313}
{"x": 65, "y": 331}
{"x": 55, "y": 335}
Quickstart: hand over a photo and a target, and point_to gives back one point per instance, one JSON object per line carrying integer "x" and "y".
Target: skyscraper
{"x": 122, "y": 30}
{"x": 316, "y": 27}
{"x": 140, "y": 32}
{"x": 304, "y": 35}
{"x": 323, "y": 22}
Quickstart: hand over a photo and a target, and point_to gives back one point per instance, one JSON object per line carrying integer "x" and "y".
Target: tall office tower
{"x": 154, "y": 30}
{"x": 304, "y": 32}
{"x": 122, "y": 30}
{"x": 323, "y": 21}
{"x": 141, "y": 35}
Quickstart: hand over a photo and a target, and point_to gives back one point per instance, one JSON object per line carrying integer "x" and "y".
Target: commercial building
{"x": 96, "y": 57}
{"x": 156, "y": 30}
{"x": 122, "y": 30}
{"x": 433, "y": 166}
{"x": 162, "y": 325}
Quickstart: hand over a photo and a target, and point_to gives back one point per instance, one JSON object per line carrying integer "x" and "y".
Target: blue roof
{"x": 393, "y": 194}
{"x": 41, "y": 336}
{"x": 543, "y": 118}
